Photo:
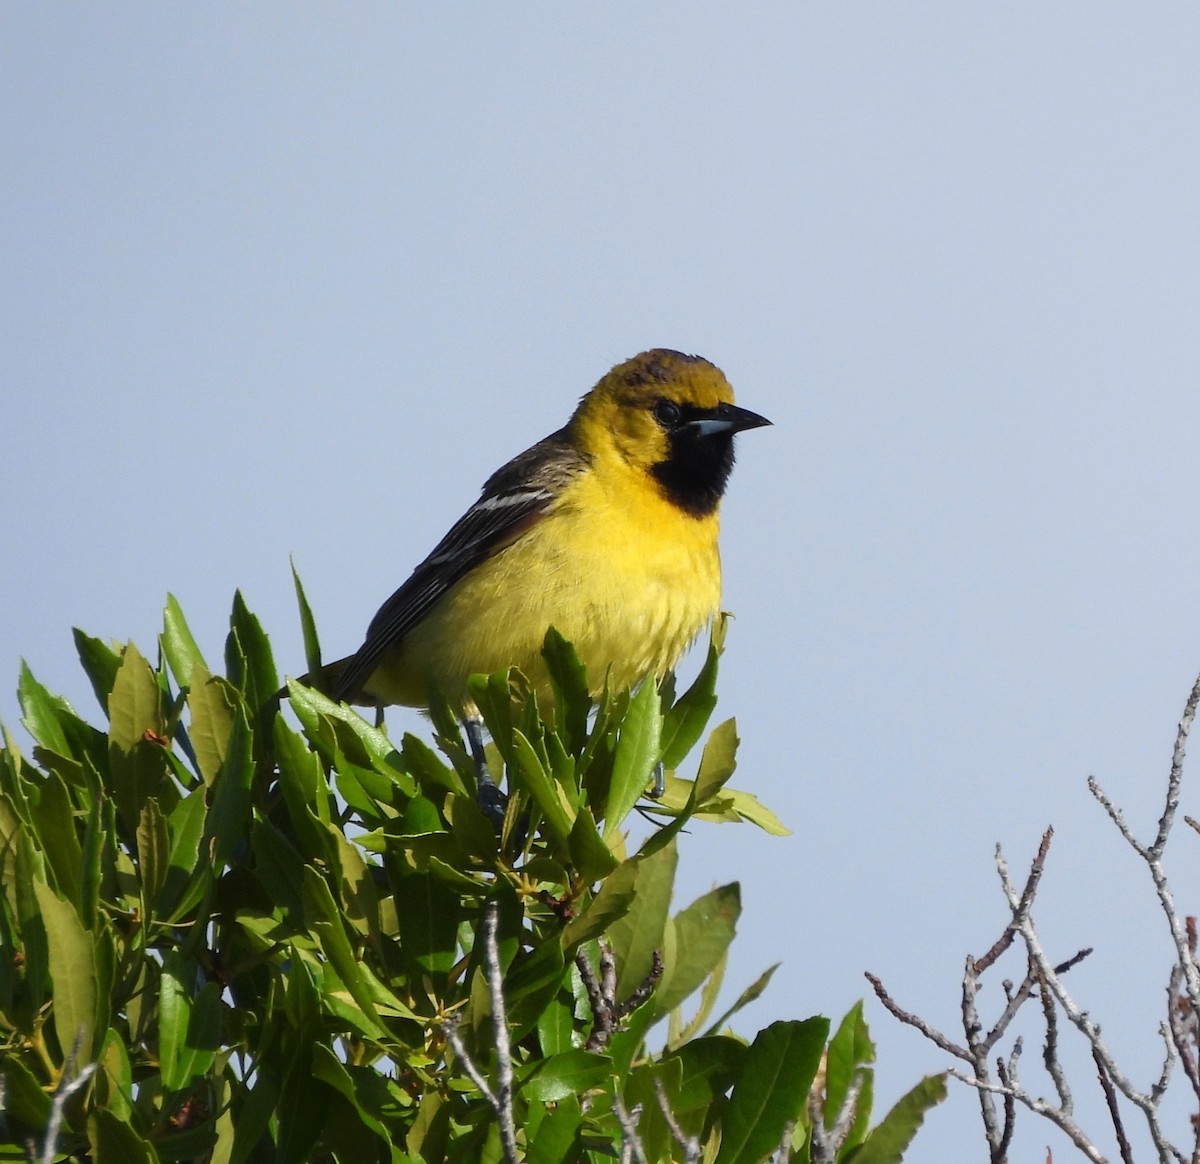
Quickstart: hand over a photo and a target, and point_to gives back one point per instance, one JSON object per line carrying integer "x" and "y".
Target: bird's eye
{"x": 666, "y": 412}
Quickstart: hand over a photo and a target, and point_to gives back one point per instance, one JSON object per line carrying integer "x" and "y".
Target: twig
{"x": 65, "y": 1089}
{"x": 606, "y": 1011}
{"x": 909, "y": 1019}
{"x": 979, "y": 1051}
{"x": 1114, "y": 1110}
{"x": 504, "y": 1064}
{"x": 500, "y": 1100}
{"x": 1065, "y": 1123}
{"x": 1050, "y": 1048}
{"x": 631, "y": 1146}
{"x": 689, "y": 1144}
{"x": 827, "y": 1144}
{"x": 783, "y": 1153}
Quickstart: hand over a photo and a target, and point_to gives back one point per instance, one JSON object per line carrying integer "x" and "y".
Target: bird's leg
{"x": 491, "y": 800}
{"x": 659, "y": 788}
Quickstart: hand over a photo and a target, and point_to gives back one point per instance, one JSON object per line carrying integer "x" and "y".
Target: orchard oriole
{"x": 605, "y": 530}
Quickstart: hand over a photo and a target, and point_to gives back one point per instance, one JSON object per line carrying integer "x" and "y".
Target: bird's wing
{"x": 513, "y": 499}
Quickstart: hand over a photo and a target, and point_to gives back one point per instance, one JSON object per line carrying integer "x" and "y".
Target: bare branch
{"x": 500, "y": 1100}
{"x": 1114, "y": 1110}
{"x": 606, "y": 1011}
{"x": 909, "y": 1019}
{"x": 1050, "y": 1049}
{"x": 689, "y": 1144}
{"x": 504, "y": 1064}
{"x": 67, "y": 1087}
{"x": 1064, "y": 1122}
{"x": 630, "y": 1143}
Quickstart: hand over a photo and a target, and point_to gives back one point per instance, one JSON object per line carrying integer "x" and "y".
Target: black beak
{"x": 727, "y": 418}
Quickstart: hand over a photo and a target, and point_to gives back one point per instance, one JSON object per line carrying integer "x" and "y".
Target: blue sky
{"x": 285, "y": 280}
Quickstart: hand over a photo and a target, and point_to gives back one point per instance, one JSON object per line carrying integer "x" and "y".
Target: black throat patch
{"x": 696, "y": 470}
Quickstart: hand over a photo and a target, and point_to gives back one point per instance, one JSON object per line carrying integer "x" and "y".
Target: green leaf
{"x": 637, "y": 752}
{"x": 749, "y": 808}
{"x": 555, "y": 1026}
{"x": 618, "y": 894}
{"x": 718, "y": 761}
{"x": 154, "y": 853}
{"x": 685, "y": 721}
{"x": 702, "y": 934}
{"x": 325, "y": 920}
{"x": 229, "y": 816}
{"x": 431, "y": 911}
{"x": 572, "y": 701}
{"x": 178, "y": 646}
{"x": 635, "y": 937}
{"x": 188, "y": 877}
{"x": 24, "y": 1098}
{"x": 308, "y": 627}
{"x": 547, "y": 793}
{"x": 709, "y": 1067}
{"x": 54, "y": 821}
{"x": 749, "y": 995}
{"x": 40, "y": 713}
{"x": 888, "y": 1142}
{"x": 189, "y": 1030}
{"x": 850, "y": 1050}
{"x": 210, "y": 703}
{"x": 772, "y": 1089}
{"x": 135, "y": 706}
{"x": 682, "y": 1031}
{"x": 492, "y": 694}
{"x": 556, "y": 1138}
{"x": 261, "y": 680}
{"x": 592, "y": 858}
{"x": 365, "y": 1089}
{"x": 100, "y": 662}
{"x": 114, "y": 1079}
{"x": 73, "y": 971}
{"x": 569, "y": 1073}
{"x": 115, "y": 1142}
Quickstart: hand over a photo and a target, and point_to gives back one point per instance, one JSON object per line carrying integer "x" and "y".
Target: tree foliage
{"x": 233, "y": 934}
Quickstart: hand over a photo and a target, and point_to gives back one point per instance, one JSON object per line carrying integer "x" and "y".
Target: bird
{"x": 606, "y": 530}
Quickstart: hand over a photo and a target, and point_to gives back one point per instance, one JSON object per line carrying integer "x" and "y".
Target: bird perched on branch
{"x": 606, "y": 530}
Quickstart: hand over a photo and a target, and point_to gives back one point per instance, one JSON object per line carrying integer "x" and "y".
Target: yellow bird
{"x": 605, "y": 530}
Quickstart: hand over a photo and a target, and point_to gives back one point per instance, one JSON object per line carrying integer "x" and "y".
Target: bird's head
{"x": 671, "y": 416}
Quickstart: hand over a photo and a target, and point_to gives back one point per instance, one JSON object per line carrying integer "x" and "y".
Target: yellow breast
{"x": 621, "y": 573}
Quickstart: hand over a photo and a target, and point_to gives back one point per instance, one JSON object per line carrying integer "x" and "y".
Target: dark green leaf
{"x": 572, "y": 702}
{"x": 114, "y": 1142}
{"x": 888, "y": 1142}
{"x": 40, "y": 713}
{"x": 229, "y": 816}
{"x": 261, "y": 678}
{"x": 850, "y": 1050}
{"x": 772, "y": 1089}
{"x": 685, "y": 721}
{"x": 569, "y": 1073}
{"x": 308, "y": 627}
{"x": 24, "y": 1098}
{"x": 100, "y": 663}
{"x": 592, "y": 858}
